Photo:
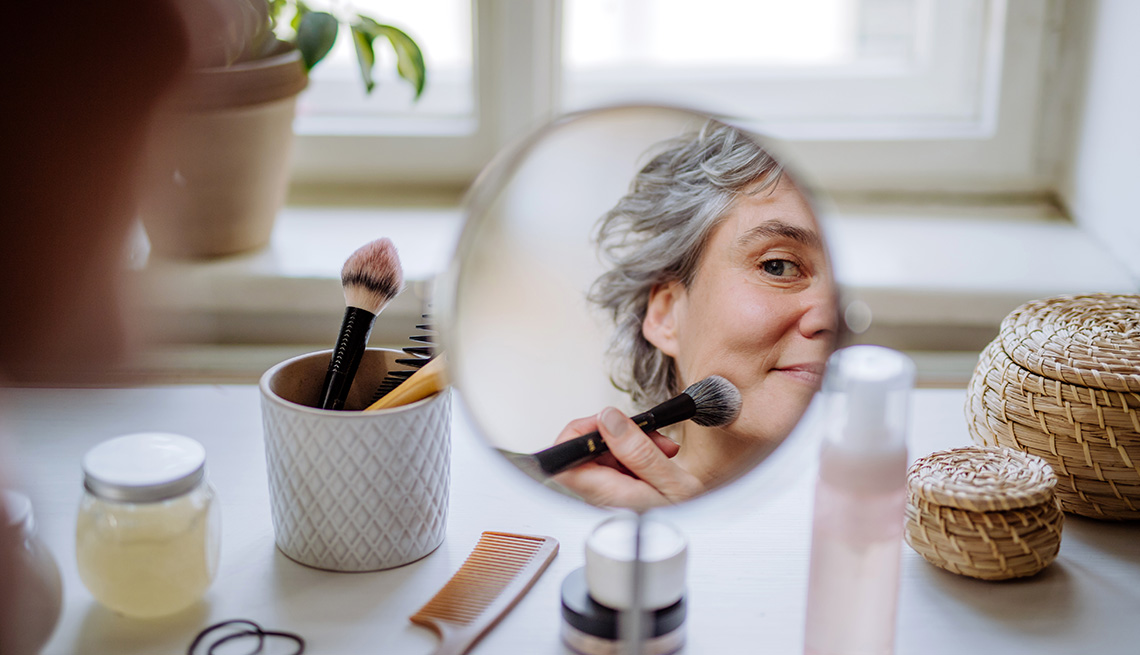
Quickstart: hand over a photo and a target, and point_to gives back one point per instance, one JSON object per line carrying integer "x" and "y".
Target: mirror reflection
{"x": 612, "y": 263}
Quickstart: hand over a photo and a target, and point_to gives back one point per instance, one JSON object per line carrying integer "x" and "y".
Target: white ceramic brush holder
{"x": 354, "y": 490}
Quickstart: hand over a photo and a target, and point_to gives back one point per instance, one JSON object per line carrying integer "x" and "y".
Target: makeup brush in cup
{"x": 371, "y": 277}
{"x": 712, "y": 402}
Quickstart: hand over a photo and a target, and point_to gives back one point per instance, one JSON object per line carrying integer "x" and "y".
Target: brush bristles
{"x": 372, "y": 276}
{"x": 718, "y": 401}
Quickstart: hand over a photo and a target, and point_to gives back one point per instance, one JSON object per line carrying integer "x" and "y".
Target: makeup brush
{"x": 371, "y": 277}
{"x": 712, "y": 402}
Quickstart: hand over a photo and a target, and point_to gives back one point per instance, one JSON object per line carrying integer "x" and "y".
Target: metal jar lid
{"x": 144, "y": 468}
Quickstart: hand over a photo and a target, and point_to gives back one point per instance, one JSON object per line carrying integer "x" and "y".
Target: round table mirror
{"x": 623, "y": 257}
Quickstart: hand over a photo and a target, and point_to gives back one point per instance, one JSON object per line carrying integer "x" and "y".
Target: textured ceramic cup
{"x": 353, "y": 490}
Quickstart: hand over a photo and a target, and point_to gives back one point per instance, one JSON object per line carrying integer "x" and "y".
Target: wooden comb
{"x": 501, "y": 569}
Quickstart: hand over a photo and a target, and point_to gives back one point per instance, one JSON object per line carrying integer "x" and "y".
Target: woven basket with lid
{"x": 984, "y": 512}
{"x": 1062, "y": 381}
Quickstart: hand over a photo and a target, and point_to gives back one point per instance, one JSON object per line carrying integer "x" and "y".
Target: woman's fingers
{"x": 629, "y": 444}
{"x": 667, "y": 445}
{"x": 635, "y": 473}
{"x": 644, "y": 457}
{"x": 577, "y": 428}
{"x": 588, "y": 424}
{"x": 609, "y": 487}
{"x": 605, "y": 481}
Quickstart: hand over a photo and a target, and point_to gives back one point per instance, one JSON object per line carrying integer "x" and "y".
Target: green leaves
{"x": 299, "y": 11}
{"x": 409, "y": 59}
{"x": 316, "y": 34}
{"x": 365, "y": 56}
{"x": 275, "y": 7}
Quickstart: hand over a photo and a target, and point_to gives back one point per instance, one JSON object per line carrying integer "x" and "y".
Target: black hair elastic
{"x": 239, "y": 635}
{"x": 256, "y": 631}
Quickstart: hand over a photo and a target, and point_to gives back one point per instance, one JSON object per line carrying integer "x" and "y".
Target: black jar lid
{"x": 588, "y": 616}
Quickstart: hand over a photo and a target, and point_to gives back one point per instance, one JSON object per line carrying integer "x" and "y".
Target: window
{"x": 336, "y": 103}
{"x": 812, "y": 69}
{"x": 865, "y": 94}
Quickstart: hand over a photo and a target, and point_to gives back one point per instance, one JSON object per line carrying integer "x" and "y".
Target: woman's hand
{"x": 637, "y": 472}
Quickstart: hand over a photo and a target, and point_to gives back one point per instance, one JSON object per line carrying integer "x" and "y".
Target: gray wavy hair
{"x": 656, "y": 234}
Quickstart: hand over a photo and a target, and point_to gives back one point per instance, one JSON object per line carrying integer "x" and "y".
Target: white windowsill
{"x": 965, "y": 265}
{"x": 938, "y": 280}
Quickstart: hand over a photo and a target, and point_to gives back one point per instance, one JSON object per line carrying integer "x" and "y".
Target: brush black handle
{"x": 350, "y": 346}
{"x": 580, "y": 450}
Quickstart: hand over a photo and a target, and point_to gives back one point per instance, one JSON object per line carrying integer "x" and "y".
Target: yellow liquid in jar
{"x": 148, "y": 559}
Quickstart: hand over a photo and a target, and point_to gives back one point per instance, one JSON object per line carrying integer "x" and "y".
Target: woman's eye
{"x": 780, "y": 267}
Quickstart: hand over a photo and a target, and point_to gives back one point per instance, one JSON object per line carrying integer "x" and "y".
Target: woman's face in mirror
{"x": 758, "y": 311}
{"x": 709, "y": 261}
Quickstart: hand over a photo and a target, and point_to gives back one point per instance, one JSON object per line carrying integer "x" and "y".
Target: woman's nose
{"x": 820, "y": 312}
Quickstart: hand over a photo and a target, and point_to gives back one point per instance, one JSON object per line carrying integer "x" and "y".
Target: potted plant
{"x": 219, "y": 155}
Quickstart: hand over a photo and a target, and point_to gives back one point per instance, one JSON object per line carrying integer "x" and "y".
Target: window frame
{"x": 518, "y": 83}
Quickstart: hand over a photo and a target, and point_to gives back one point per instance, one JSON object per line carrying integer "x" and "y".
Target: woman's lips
{"x": 808, "y": 373}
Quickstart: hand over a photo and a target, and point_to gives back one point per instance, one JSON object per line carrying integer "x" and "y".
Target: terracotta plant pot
{"x": 218, "y": 161}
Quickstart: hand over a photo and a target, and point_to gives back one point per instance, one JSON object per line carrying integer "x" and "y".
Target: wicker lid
{"x": 982, "y": 479}
{"x": 1088, "y": 340}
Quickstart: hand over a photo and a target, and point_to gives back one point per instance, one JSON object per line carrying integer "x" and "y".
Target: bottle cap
{"x": 610, "y": 559}
{"x": 868, "y": 388}
{"x": 144, "y": 468}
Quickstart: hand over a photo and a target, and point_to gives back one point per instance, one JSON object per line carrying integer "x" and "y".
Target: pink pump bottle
{"x": 860, "y": 498}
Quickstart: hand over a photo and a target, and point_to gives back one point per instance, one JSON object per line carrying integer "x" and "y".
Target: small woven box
{"x": 983, "y": 512}
{"x": 1062, "y": 381}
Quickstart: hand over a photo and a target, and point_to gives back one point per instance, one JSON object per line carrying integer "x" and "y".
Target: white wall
{"x": 1101, "y": 186}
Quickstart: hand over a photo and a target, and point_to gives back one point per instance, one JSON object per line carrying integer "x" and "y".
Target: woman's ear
{"x": 660, "y": 325}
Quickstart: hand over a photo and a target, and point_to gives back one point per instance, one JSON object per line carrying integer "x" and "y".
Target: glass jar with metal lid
{"x": 148, "y": 534}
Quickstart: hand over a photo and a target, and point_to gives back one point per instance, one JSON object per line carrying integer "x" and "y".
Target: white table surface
{"x": 748, "y": 547}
